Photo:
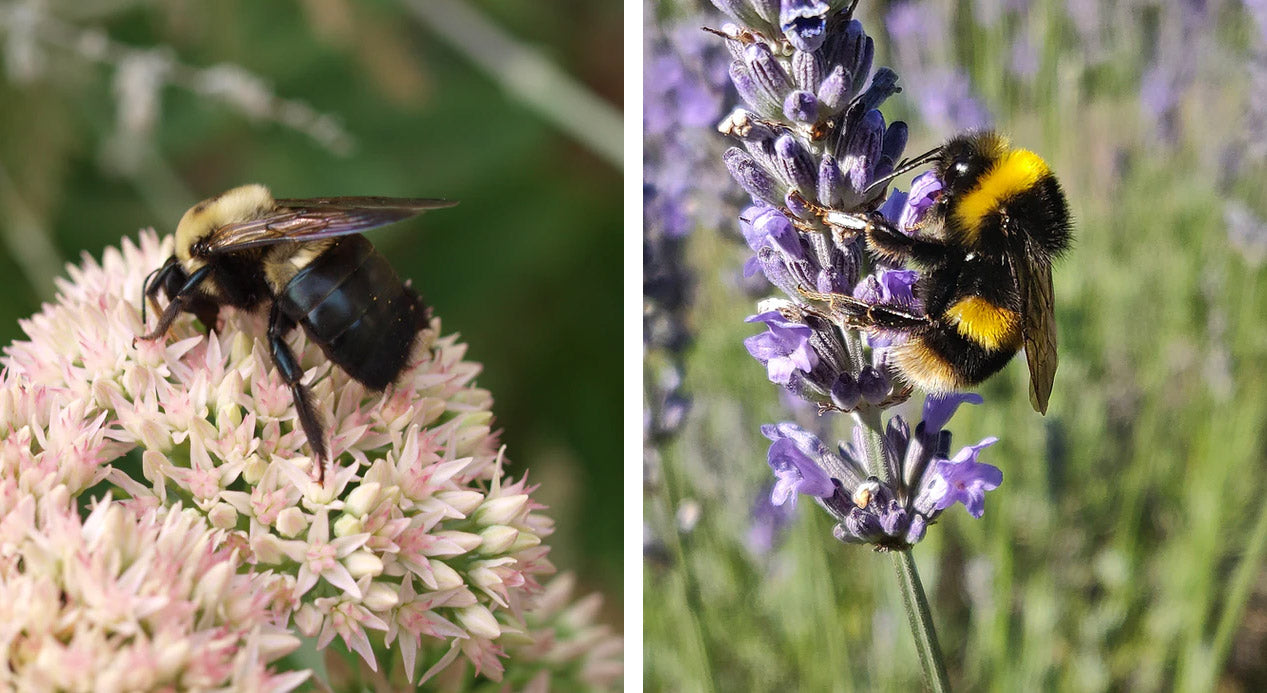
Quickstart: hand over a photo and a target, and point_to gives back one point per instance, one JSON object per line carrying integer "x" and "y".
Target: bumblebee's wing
{"x": 314, "y": 219}
{"x": 1033, "y": 279}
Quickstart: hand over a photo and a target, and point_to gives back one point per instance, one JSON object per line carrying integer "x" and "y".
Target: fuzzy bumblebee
{"x": 984, "y": 250}
{"x": 305, "y": 261}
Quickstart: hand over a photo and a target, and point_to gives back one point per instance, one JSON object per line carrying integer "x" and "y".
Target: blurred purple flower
{"x": 683, "y": 188}
{"x": 947, "y": 103}
{"x": 943, "y": 95}
{"x": 768, "y": 521}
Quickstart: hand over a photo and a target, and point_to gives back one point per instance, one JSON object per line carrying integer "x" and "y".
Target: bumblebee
{"x": 985, "y": 250}
{"x": 304, "y": 261}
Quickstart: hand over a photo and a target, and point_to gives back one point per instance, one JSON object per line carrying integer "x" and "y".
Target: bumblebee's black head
{"x": 168, "y": 279}
{"x": 994, "y": 191}
{"x": 966, "y": 158}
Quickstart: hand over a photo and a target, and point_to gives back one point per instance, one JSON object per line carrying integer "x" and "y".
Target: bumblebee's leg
{"x": 885, "y": 240}
{"x": 183, "y": 296}
{"x": 149, "y": 291}
{"x": 889, "y": 318}
{"x": 858, "y": 313}
{"x": 279, "y": 324}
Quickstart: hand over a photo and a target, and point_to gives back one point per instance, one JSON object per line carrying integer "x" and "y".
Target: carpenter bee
{"x": 305, "y": 261}
{"x": 985, "y": 250}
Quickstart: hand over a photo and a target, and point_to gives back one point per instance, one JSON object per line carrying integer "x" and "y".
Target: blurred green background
{"x": 117, "y": 115}
{"x": 1124, "y": 549}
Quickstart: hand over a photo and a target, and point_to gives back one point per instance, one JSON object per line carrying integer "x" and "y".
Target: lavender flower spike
{"x": 808, "y": 156}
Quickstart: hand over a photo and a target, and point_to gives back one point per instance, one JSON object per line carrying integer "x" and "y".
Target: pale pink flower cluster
{"x": 418, "y": 541}
{"x": 126, "y": 602}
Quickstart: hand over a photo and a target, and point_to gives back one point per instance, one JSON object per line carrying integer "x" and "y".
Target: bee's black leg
{"x": 886, "y": 240}
{"x": 279, "y": 324}
{"x": 185, "y": 294}
{"x": 892, "y": 318}
{"x": 855, "y": 312}
{"x": 149, "y": 291}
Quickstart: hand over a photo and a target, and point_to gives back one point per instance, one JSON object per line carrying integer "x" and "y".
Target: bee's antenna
{"x": 903, "y": 167}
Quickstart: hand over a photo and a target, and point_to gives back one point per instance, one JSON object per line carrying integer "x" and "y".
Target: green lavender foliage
{"x": 1124, "y": 550}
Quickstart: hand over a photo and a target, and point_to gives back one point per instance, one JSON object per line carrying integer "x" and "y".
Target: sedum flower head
{"x": 566, "y": 645}
{"x": 130, "y": 599}
{"x": 417, "y": 541}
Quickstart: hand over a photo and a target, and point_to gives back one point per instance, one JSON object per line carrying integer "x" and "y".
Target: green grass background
{"x": 526, "y": 268}
{"x": 1124, "y": 549}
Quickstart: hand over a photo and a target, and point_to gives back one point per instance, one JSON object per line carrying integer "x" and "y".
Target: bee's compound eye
{"x": 961, "y": 167}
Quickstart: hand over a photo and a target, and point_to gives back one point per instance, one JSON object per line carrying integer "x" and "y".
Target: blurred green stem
{"x": 691, "y": 591}
{"x": 1239, "y": 588}
{"x": 28, "y": 239}
{"x": 913, "y": 598}
{"x": 527, "y": 75}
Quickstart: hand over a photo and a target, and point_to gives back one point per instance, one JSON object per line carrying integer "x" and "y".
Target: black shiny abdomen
{"x": 353, "y": 305}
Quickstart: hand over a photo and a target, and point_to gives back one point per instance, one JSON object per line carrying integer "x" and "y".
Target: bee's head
{"x": 239, "y": 204}
{"x": 171, "y": 277}
{"x": 967, "y": 157}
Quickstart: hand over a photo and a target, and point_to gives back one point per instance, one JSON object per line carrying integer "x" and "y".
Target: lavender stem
{"x": 921, "y": 618}
{"x": 913, "y": 598}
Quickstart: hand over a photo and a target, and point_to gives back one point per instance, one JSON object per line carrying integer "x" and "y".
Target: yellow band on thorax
{"x": 993, "y": 327}
{"x": 1015, "y": 172}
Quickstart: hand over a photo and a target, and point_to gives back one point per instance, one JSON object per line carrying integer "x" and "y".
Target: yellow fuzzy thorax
{"x": 239, "y": 204}
{"x": 978, "y": 320}
{"x": 1016, "y": 171}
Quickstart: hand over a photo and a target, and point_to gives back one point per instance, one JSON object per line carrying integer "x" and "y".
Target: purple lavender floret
{"x": 796, "y": 473}
{"x": 963, "y": 479}
{"x": 784, "y": 348}
{"x": 939, "y": 408}
{"x": 869, "y": 511}
{"x": 925, "y": 189}
{"x": 804, "y": 23}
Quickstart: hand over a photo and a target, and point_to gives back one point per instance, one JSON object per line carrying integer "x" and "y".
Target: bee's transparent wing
{"x": 313, "y": 219}
{"x": 1033, "y": 278}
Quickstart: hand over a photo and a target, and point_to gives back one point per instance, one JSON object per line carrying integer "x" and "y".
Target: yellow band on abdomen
{"x": 978, "y": 320}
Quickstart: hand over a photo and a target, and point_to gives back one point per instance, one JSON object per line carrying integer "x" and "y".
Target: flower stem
{"x": 921, "y": 618}
{"x": 913, "y": 598}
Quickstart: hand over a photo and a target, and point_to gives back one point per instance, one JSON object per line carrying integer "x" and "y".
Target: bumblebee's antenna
{"x": 903, "y": 167}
